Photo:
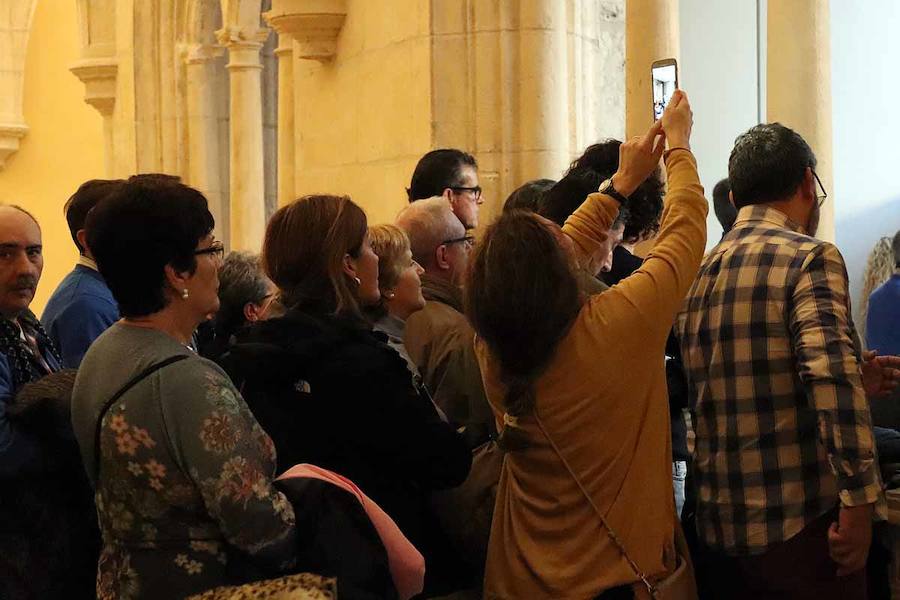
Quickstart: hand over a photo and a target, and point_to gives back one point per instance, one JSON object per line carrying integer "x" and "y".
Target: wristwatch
{"x": 607, "y": 188}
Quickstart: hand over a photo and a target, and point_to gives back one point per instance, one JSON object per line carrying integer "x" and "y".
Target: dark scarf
{"x": 23, "y": 365}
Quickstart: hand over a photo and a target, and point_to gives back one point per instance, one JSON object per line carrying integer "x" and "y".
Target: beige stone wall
{"x": 363, "y": 119}
{"x": 64, "y": 143}
{"x": 524, "y": 85}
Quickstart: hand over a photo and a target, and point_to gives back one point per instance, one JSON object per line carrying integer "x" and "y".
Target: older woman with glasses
{"x": 181, "y": 469}
{"x": 246, "y": 296}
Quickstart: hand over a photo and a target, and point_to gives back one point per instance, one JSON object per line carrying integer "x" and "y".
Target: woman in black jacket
{"x": 331, "y": 392}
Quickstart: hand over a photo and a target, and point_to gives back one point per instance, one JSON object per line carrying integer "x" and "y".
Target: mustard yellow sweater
{"x": 603, "y": 401}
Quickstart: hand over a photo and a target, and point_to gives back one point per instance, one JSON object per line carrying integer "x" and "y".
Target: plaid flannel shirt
{"x": 772, "y": 358}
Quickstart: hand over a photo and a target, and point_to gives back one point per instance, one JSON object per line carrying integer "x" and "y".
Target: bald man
{"x": 439, "y": 338}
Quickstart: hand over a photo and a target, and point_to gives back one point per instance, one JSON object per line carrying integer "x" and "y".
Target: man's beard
{"x": 813, "y": 226}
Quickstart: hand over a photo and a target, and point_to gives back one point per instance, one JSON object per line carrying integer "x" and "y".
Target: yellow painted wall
{"x": 64, "y": 146}
{"x": 364, "y": 120}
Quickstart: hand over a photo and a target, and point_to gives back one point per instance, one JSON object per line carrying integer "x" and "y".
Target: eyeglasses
{"x": 469, "y": 241}
{"x": 216, "y": 249}
{"x": 476, "y": 190}
{"x": 820, "y": 198}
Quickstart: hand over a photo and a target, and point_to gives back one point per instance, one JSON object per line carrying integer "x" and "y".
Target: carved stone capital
{"x": 313, "y": 24}
{"x": 239, "y": 37}
{"x": 202, "y": 53}
{"x": 10, "y": 134}
{"x": 99, "y": 78}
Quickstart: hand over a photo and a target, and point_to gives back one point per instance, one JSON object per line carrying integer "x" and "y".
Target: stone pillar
{"x": 543, "y": 89}
{"x": 203, "y": 130}
{"x": 99, "y": 79}
{"x": 799, "y": 59}
{"x": 311, "y": 29}
{"x": 651, "y": 33}
{"x": 247, "y": 178}
{"x": 286, "y": 142}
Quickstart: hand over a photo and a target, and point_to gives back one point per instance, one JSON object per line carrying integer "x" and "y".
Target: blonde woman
{"x": 879, "y": 268}
{"x": 400, "y": 287}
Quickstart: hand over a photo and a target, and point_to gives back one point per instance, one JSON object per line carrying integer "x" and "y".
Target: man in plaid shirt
{"x": 780, "y": 411}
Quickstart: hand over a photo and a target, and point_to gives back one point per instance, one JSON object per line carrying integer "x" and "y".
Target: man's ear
{"x": 731, "y": 197}
{"x": 440, "y": 257}
{"x": 81, "y": 236}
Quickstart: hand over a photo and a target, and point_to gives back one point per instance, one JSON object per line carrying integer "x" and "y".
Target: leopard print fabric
{"x": 303, "y": 586}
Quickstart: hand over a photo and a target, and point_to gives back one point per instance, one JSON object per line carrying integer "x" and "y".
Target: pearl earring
{"x": 184, "y": 294}
{"x": 390, "y": 295}
{"x": 358, "y": 281}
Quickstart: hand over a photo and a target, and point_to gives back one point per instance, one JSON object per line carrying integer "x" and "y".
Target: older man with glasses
{"x": 438, "y": 338}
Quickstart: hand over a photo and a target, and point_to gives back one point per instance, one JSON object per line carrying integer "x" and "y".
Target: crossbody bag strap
{"x": 109, "y": 403}
{"x": 651, "y": 589}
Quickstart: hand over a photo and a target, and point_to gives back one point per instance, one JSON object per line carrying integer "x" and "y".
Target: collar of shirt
{"x": 764, "y": 212}
{"x": 84, "y": 261}
{"x": 392, "y": 327}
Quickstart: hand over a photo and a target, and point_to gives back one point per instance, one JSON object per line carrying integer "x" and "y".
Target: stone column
{"x": 799, "y": 59}
{"x": 305, "y": 31}
{"x": 201, "y": 63}
{"x": 99, "y": 79}
{"x": 651, "y": 33}
{"x": 247, "y": 179}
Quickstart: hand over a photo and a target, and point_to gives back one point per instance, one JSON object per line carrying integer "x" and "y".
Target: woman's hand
{"x": 638, "y": 158}
{"x": 677, "y": 121}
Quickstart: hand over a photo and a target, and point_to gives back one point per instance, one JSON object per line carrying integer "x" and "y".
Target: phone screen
{"x": 665, "y": 81}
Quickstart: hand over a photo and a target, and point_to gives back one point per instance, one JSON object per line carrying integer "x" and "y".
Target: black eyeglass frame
{"x": 820, "y": 199}
{"x": 217, "y": 249}
{"x": 468, "y": 239}
{"x": 476, "y": 190}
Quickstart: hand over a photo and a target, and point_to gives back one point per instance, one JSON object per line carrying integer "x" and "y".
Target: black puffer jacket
{"x": 332, "y": 393}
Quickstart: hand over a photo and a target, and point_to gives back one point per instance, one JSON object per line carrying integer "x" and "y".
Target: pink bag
{"x": 407, "y": 564}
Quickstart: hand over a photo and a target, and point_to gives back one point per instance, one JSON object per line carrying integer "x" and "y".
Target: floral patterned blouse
{"x": 185, "y": 470}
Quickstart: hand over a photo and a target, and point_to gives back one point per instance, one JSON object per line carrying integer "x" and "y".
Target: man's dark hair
{"x": 437, "y": 171}
{"x": 83, "y": 200}
{"x": 896, "y": 245}
{"x": 145, "y": 224}
{"x": 570, "y": 192}
{"x": 726, "y": 213}
{"x": 645, "y": 205}
{"x": 767, "y": 164}
{"x": 528, "y": 195}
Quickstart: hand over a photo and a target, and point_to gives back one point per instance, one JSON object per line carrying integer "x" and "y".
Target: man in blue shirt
{"x": 883, "y": 320}
{"x": 82, "y": 307}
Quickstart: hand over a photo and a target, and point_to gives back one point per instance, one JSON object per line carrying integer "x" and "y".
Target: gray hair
{"x": 428, "y": 223}
{"x": 241, "y": 280}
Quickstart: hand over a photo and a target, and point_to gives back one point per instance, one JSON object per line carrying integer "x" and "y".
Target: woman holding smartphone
{"x": 579, "y": 387}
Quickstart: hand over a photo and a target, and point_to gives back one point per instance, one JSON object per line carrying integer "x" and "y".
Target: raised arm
{"x": 653, "y": 293}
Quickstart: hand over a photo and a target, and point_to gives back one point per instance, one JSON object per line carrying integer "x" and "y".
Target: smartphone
{"x": 664, "y": 75}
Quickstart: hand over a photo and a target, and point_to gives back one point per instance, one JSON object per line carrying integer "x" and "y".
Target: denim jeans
{"x": 679, "y": 473}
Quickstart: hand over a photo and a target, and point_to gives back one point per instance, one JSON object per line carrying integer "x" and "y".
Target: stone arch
{"x": 14, "y": 30}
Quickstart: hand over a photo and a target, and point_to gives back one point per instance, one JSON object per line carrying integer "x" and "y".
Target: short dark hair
{"x": 726, "y": 213}
{"x": 528, "y": 195}
{"x": 145, "y": 224}
{"x": 83, "y": 200}
{"x": 561, "y": 200}
{"x": 767, "y": 164}
{"x": 436, "y": 171}
{"x": 896, "y": 246}
{"x": 645, "y": 204}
